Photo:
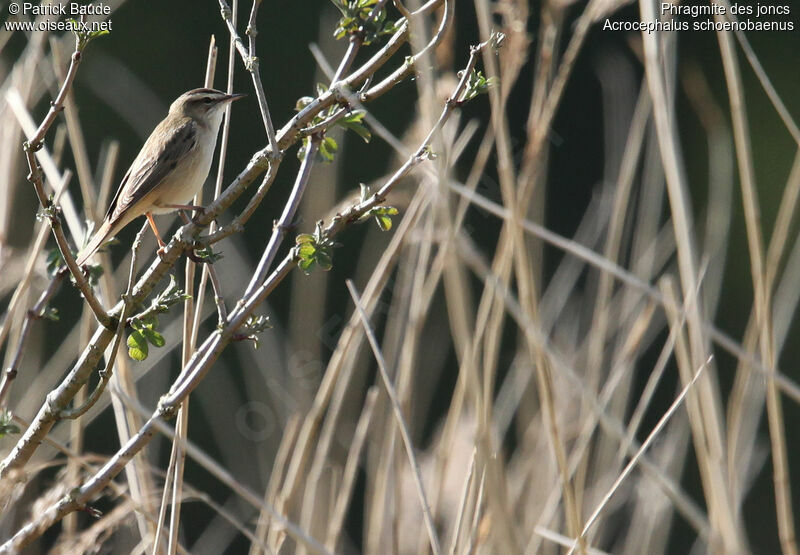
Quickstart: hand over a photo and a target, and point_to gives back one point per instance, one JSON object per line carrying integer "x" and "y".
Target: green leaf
{"x": 382, "y": 216}
{"x": 384, "y": 222}
{"x": 149, "y": 321}
{"x": 302, "y": 102}
{"x": 323, "y": 258}
{"x": 100, "y": 33}
{"x": 303, "y": 150}
{"x": 327, "y": 149}
{"x": 54, "y": 261}
{"x": 51, "y": 313}
{"x": 497, "y": 39}
{"x": 7, "y": 425}
{"x": 254, "y": 326}
{"x": 207, "y": 254}
{"x": 6, "y": 429}
{"x": 359, "y": 129}
{"x": 314, "y": 250}
{"x": 354, "y": 122}
{"x": 152, "y": 336}
{"x": 356, "y": 19}
{"x": 477, "y": 84}
{"x": 306, "y": 264}
{"x": 356, "y": 116}
{"x": 95, "y": 272}
{"x": 385, "y": 210}
{"x": 306, "y": 250}
{"x": 428, "y": 153}
{"x": 85, "y": 37}
{"x": 169, "y": 297}
{"x": 137, "y": 346}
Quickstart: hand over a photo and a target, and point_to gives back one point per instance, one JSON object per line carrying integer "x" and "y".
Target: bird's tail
{"x": 99, "y": 237}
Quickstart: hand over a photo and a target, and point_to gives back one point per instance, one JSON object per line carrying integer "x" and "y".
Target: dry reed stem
{"x": 761, "y": 293}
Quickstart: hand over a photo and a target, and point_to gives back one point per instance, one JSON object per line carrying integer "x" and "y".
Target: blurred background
{"x": 253, "y": 400}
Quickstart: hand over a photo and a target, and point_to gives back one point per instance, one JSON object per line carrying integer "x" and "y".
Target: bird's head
{"x": 204, "y": 105}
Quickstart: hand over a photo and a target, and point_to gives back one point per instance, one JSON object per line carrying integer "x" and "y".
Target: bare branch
{"x": 251, "y": 63}
{"x": 105, "y": 374}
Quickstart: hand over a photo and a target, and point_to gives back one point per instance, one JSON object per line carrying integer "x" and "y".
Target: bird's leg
{"x": 162, "y": 245}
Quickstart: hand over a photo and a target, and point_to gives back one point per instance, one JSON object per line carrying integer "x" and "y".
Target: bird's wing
{"x": 152, "y": 166}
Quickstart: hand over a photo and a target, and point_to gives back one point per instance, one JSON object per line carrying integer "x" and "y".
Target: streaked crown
{"x": 199, "y": 102}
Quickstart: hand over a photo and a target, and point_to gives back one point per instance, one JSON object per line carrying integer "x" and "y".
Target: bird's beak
{"x": 235, "y": 96}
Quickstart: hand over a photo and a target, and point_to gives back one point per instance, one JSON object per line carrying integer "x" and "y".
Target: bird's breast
{"x": 186, "y": 180}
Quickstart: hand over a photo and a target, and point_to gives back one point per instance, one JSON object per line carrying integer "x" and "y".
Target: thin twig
{"x": 219, "y": 300}
{"x": 175, "y": 474}
{"x": 356, "y": 40}
{"x": 351, "y": 467}
{"x": 353, "y": 213}
{"x": 762, "y": 292}
{"x": 282, "y": 225}
{"x": 237, "y": 224}
{"x": 37, "y": 312}
{"x": 788, "y": 386}
{"x": 401, "y": 8}
{"x": 105, "y": 374}
{"x": 57, "y": 105}
{"x": 469, "y": 482}
{"x": 398, "y": 414}
{"x": 409, "y": 66}
{"x": 51, "y": 210}
{"x": 635, "y": 459}
{"x": 208, "y": 269}
{"x": 251, "y": 63}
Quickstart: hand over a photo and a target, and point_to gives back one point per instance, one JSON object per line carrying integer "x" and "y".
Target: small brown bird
{"x": 171, "y": 167}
